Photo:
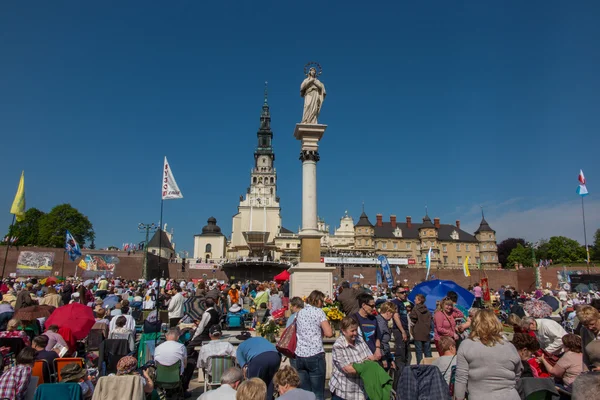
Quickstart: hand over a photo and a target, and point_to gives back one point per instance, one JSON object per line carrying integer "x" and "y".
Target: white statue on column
{"x": 313, "y": 91}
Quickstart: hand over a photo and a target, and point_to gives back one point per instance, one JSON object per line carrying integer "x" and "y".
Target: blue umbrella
{"x": 437, "y": 289}
{"x": 110, "y": 301}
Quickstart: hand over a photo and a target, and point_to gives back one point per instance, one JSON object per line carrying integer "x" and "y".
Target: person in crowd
{"x": 311, "y": 325}
{"x": 201, "y": 289}
{"x": 101, "y": 317}
{"x": 421, "y": 327}
{"x": 230, "y": 381}
{"x": 478, "y": 292}
{"x": 122, "y": 332}
{"x": 24, "y": 298}
{"x": 275, "y": 301}
{"x": 444, "y": 322}
{"x": 586, "y": 386}
{"x": 6, "y": 314}
{"x": 589, "y": 317}
{"x": 570, "y": 364}
{"x": 489, "y": 363}
{"x": 74, "y": 373}
{"x": 216, "y": 347}
{"x": 102, "y": 289}
{"x": 172, "y": 351}
{"x": 386, "y": 313}
{"x": 400, "y": 329}
{"x": 233, "y": 295}
{"x": 115, "y": 312}
{"x": 526, "y": 346}
{"x": 210, "y": 317}
{"x": 51, "y": 298}
{"x": 252, "y": 389}
{"x": 12, "y": 331}
{"x": 447, "y": 358}
{"x": 502, "y": 297}
{"x": 54, "y": 337}
{"x": 296, "y": 304}
{"x": 152, "y": 324}
{"x": 286, "y": 382}
{"x": 175, "y": 308}
{"x": 39, "y": 344}
{"x": 548, "y": 332}
{"x": 128, "y": 366}
{"x": 349, "y": 348}
{"x": 259, "y": 359}
{"x": 129, "y": 324}
{"x": 593, "y": 352}
{"x": 14, "y": 382}
{"x": 348, "y": 298}
{"x": 67, "y": 291}
{"x": 262, "y": 296}
{"x": 367, "y": 323}
{"x": 149, "y": 302}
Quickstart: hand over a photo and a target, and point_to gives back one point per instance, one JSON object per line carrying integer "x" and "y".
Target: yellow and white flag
{"x": 18, "y": 205}
{"x": 466, "y": 267}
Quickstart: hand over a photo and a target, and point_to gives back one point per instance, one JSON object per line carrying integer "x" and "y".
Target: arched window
{"x": 208, "y": 248}
{"x": 272, "y": 180}
{"x": 254, "y": 180}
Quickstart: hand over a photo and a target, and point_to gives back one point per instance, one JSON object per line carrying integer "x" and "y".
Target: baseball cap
{"x": 215, "y": 330}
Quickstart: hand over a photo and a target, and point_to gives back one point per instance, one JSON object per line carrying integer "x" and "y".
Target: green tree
{"x": 54, "y": 225}
{"x": 595, "y": 250}
{"x": 27, "y": 231}
{"x": 520, "y": 255}
{"x": 564, "y": 250}
{"x": 505, "y": 248}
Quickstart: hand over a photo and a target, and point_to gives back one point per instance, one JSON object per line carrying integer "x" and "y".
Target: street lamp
{"x": 147, "y": 228}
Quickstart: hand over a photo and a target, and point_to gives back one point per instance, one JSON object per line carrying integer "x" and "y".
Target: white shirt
{"x": 130, "y": 324}
{"x": 176, "y": 306}
{"x": 225, "y": 392}
{"x": 549, "y": 333}
{"x": 203, "y": 322}
{"x": 169, "y": 352}
{"x": 211, "y": 349}
{"x": 308, "y": 331}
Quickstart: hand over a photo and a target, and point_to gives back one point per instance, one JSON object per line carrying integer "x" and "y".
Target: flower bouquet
{"x": 269, "y": 330}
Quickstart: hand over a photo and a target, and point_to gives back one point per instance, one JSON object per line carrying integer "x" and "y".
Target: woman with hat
{"x": 128, "y": 366}
{"x": 75, "y": 373}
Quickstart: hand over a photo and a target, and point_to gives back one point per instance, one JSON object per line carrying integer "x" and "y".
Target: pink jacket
{"x": 443, "y": 325}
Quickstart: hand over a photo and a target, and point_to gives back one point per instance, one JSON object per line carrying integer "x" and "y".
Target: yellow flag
{"x": 466, "y": 267}
{"x": 82, "y": 264}
{"x": 18, "y": 205}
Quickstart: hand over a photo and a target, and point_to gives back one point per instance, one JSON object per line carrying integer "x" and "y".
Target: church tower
{"x": 259, "y": 216}
{"x": 488, "y": 250}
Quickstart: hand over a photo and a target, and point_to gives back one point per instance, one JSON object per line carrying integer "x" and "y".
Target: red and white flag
{"x": 581, "y": 177}
{"x": 169, "y": 189}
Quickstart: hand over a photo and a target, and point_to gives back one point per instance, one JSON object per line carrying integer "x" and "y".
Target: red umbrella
{"x": 282, "y": 277}
{"x": 75, "y": 316}
{"x": 51, "y": 281}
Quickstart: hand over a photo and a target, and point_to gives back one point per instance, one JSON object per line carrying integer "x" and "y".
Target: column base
{"x": 308, "y": 276}
{"x": 310, "y": 249}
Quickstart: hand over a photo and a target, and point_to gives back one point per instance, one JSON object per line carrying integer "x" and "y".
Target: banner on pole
{"x": 35, "y": 263}
{"x": 170, "y": 190}
{"x": 486, "y": 290}
{"x": 387, "y": 273}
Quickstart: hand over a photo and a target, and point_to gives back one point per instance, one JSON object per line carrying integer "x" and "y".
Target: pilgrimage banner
{"x": 35, "y": 263}
{"x": 92, "y": 265}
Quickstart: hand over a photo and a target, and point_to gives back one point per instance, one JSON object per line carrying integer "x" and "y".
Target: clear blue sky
{"x": 438, "y": 103}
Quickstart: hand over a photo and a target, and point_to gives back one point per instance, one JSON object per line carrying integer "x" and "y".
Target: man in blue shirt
{"x": 259, "y": 359}
{"x": 368, "y": 323}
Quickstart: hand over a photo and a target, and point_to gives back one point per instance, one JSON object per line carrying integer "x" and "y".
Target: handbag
{"x": 288, "y": 341}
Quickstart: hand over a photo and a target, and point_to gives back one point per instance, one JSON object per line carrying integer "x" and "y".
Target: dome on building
{"x": 211, "y": 228}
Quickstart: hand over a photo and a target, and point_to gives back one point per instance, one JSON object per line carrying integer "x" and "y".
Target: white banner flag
{"x": 170, "y": 190}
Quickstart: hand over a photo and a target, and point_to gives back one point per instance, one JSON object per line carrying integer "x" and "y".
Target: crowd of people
{"x": 499, "y": 351}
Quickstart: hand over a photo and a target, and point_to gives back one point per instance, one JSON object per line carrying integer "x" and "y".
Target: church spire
{"x": 266, "y": 93}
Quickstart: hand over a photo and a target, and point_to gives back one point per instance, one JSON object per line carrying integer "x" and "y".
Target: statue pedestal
{"x": 308, "y": 276}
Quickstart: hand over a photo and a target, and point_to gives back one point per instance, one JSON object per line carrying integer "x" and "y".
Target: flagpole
{"x": 162, "y": 202}
{"x": 587, "y": 252}
{"x": 62, "y": 269}
{"x": 7, "y": 246}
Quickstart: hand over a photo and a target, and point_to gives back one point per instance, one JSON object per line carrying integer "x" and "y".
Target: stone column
{"x": 310, "y": 273}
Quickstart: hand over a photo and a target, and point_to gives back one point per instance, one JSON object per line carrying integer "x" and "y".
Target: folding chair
{"x": 41, "y": 369}
{"x": 59, "y": 363}
{"x": 169, "y": 378}
{"x": 15, "y": 344}
{"x": 218, "y": 365}
{"x": 93, "y": 339}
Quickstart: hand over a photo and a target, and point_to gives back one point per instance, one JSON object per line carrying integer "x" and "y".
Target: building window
{"x": 407, "y": 245}
{"x": 254, "y": 180}
{"x": 445, "y": 259}
{"x": 459, "y": 259}
{"x": 485, "y": 258}
{"x": 368, "y": 242}
{"x": 444, "y": 248}
{"x": 485, "y": 246}
{"x": 467, "y": 247}
{"x": 457, "y": 246}
{"x": 287, "y": 245}
{"x": 477, "y": 248}
{"x": 395, "y": 245}
{"x": 490, "y": 236}
{"x": 477, "y": 260}
{"x": 493, "y": 258}
{"x": 385, "y": 245}
{"x": 208, "y": 248}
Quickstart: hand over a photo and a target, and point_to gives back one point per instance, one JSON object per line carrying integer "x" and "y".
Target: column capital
{"x": 309, "y": 155}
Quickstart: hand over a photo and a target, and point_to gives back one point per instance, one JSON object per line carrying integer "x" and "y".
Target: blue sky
{"x": 449, "y": 105}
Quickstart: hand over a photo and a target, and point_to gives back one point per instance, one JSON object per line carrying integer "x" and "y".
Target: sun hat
{"x": 126, "y": 365}
{"x": 235, "y": 308}
{"x": 72, "y": 372}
